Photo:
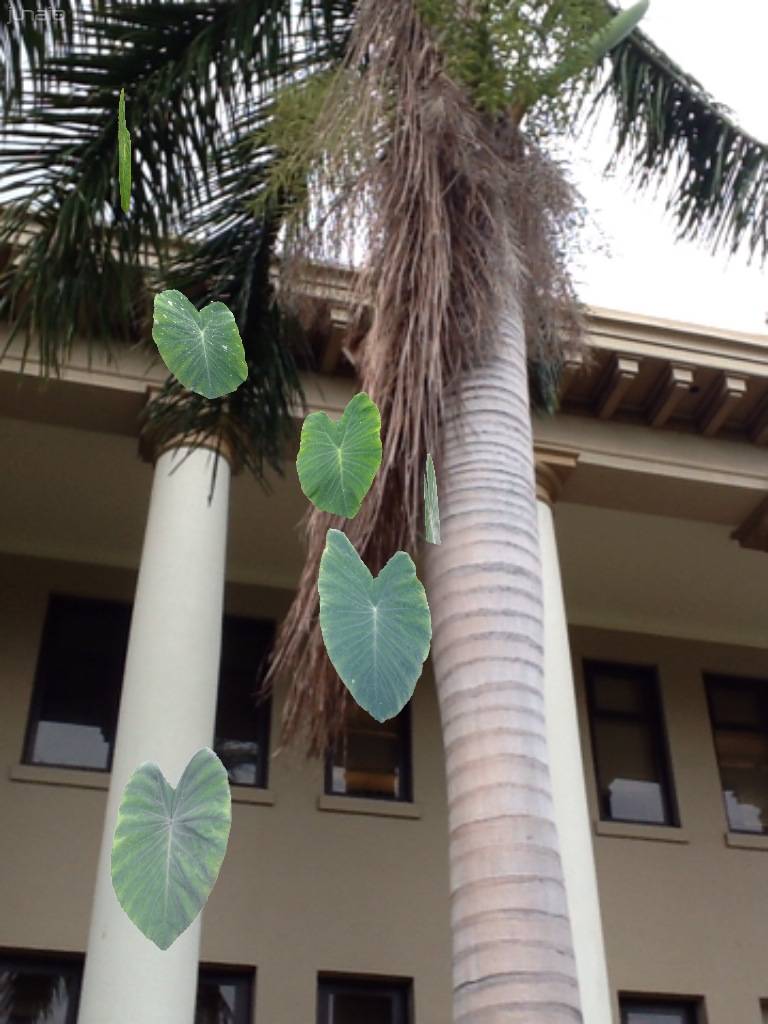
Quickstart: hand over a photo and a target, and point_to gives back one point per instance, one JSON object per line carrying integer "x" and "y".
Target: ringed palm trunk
{"x": 512, "y": 951}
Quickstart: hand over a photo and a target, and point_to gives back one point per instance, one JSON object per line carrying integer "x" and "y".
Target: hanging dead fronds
{"x": 445, "y": 190}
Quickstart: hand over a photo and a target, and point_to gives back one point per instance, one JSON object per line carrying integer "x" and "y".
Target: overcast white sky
{"x": 647, "y": 271}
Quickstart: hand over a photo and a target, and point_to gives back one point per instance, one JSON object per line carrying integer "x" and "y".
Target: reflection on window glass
{"x": 371, "y": 759}
{"x": 739, "y": 710}
{"x": 38, "y": 991}
{"x": 347, "y": 1001}
{"x": 633, "y": 776}
{"x": 224, "y": 997}
{"x": 657, "y": 1013}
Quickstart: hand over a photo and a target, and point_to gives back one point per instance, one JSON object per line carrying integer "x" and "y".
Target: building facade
{"x": 332, "y": 903}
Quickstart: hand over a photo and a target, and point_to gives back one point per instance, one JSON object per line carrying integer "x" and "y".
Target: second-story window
{"x": 371, "y": 759}
{"x": 629, "y": 743}
{"x": 739, "y": 711}
{"x": 73, "y": 715}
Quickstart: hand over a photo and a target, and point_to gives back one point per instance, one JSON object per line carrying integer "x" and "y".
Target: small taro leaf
{"x": 338, "y": 461}
{"x": 431, "y": 509}
{"x": 123, "y": 154}
{"x": 376, "y": 631}
{"x": 202, "y": 349}
{"x": 169, "y": 845}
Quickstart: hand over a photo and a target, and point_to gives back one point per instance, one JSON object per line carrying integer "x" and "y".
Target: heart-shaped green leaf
{"x": 376, "y": 631}
{"x": 123, "y": 154}
{"x": 169, "y": 845}
{"x": 338, "y": 461}
{"x": 202, "y": 349}
{"x": 431, "y": 508}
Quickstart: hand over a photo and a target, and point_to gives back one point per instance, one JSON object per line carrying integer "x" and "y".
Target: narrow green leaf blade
{"x": 617, "y": 29}
{"x": 123, "y": 154}
{"x": 431, "y": 507}
{"x": 169, "y": 845}
{"x": 337, "y": 461}
{"x": 377, "y": 631}
{"x": 202, "y": 349}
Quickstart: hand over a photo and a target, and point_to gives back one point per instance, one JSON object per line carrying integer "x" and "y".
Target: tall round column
{"x": 565, "y": 756}
{"x": 167, "y": 712}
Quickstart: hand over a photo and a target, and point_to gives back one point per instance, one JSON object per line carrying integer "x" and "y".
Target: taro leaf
{"x": 338, "y": 461}
{"x": 431, "y": 509}
{"x": 202, "y": 349}
{"x": 123, "y": 154}
{"x": 376, "y": 631}
{"x": 169, "y": 845}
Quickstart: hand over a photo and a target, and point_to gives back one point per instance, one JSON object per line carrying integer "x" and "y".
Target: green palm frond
{"x": 187, "y": 69}
{"x": 676, "y": 134}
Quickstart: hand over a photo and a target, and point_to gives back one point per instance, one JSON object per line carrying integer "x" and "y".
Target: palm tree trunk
{"x": 512, "y": 951}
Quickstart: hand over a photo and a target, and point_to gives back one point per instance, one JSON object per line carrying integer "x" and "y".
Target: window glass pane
{"x": 223, "y": 998}
{"x": 628, "y": 772}
{"x": 741, "y": 746}
{"x": 348, "y": 1008}
{"x": 670, "y": 1015}
{"x": 38, "y": 992}
{"x": 735, "y": 705}
{"x": 620, "y": 693}
{"x": 242, "y": 724}
{"x": 370, "y": 759}
{"x": 79, "y": 678}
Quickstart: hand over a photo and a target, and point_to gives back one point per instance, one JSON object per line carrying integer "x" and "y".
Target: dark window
{"x": 46, "y": 990}
{"x": 629, "y": 743}
{"x": 224, "y": 996}
{"x": 642, "y": 1011}
{"x": 352, "y": 1001}
{"x": 739, "y": 712}
{"x": 77, "y": 687}
{"x": 242, "y": 721}
{"x": 79, "y": 677}
{"x": 37, "y": 990}
{"x": 371, "y": 759}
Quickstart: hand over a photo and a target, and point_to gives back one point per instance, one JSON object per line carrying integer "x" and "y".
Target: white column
{"x": 167, "y": 712}
{"x": 565, "y": 756}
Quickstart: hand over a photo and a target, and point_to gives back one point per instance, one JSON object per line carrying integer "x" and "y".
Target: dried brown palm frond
{"x": 446, "y": 190}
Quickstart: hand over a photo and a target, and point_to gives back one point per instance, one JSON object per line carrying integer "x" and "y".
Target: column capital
{"x": 151, "y": 448}
{"x": 553, "y": 467}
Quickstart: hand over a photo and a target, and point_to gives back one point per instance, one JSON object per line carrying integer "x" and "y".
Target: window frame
{"x": 224, "y": 974}
{"x": 41, "y": 668}
{"x": 43, "y": 962}
{"x": 405, "y": 766}
{"x": 690, "y": 1007}
{"x": 648, "y": 676}
{"x": 328, "y": 984}
{"x": 736, "y": 682}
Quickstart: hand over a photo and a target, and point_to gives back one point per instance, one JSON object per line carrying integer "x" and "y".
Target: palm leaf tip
{"x": 675, "y": 133}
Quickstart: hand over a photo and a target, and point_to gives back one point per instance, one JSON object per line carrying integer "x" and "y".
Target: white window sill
{"x": 632, "y": 830}
{"x": 746, "y": 841}
{"x": 361, "y": 805}
{"x": 252, "y": 795}
{"x": 80, "y": 778}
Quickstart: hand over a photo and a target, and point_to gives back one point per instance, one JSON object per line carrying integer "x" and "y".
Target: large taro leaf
{"x": 202, "y": 349}
{"x": 431, "y": 507}
{"x": 169, "y": 845}
{"x": 338, "y": 461}
{"x": 377, "y": 631}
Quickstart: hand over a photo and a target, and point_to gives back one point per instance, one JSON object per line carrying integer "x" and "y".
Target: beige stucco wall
{"x": 687, "y": 917}
{"x": 302, "y": 890}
